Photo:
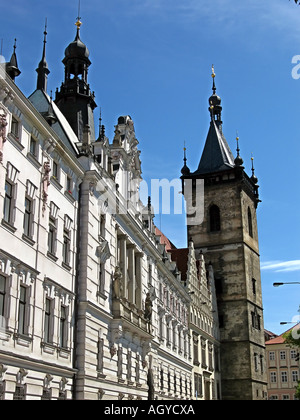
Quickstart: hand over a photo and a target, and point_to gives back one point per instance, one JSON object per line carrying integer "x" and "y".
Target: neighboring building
{"x": 226, "y": 233}
{"x": 200, "y": 345}
{"x": 283, "y": 368}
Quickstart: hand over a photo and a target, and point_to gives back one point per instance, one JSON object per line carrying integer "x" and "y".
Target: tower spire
{"x": 12, "y": 68}
{"x": 238, "y": 160}
{"x": 215, "y": 102}
{"x": 185, "y": 170}
{"x": 42, "y": 69}
{"x": 254, "y": 177}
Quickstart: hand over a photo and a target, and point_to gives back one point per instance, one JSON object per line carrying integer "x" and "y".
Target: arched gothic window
{"x": 214, "y": 219}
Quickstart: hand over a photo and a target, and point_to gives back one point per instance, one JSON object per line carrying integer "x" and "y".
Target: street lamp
{"x": 281, "y": 284}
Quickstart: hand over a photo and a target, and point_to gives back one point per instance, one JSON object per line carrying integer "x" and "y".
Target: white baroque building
{"x": 93, "y": 304}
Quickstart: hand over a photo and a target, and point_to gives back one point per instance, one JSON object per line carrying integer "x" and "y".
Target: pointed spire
{"x": 185, "y": 170}
{"x": 42, "y": 69}
{"x": 238, "y": 160}
{"x": 12, "y": 68}
{"x": 213, "y": 77}
{"x": 254, "y": 177}
{"x": 101, "y": 128}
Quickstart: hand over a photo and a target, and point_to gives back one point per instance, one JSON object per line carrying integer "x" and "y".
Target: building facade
{"x": 92, "y": 305}
{"x": 95, "y": 302}
{"x": 283, "y": 369}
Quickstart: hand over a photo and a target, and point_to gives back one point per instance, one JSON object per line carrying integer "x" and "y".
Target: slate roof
{"x": 216, "y": 155}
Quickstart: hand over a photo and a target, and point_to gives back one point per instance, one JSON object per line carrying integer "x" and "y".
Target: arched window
{"x": 250, "y": 226}
{"x": 214, "y": 218}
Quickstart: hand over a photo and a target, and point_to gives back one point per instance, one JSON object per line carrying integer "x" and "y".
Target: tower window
{"x": 250, "y": 226}
{"x": 214, "y": 218}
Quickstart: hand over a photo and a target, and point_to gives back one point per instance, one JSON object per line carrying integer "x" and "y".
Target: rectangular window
{"x": 62, "y": 327}
{"x": 198, "y": 385}
{"x": 28, "y": 217}
{"x": 66, "y": 247}
{"x": 2, "y": 297}
{"x": 294, "y": 354}
{"x": 272, "y": 355}
{"x": 55, "y": 170}
{"x": 33, "y": 148}
{"x": 48, "y": 320}
{"x": 52, "y": 236}
{"x": 273, "y": 377}
{"x": 15, "y": 127}
{"x": 256, "y": 362}
{"x": 69, "y": 186}
{"x": 295, "y": 375}
{"x": 282, "y": 355}
{"x": 22, "y": 310}
{"x": 254, "y": 286}
{"x": 8, "y": 203}
{"x": 284, "y": 377}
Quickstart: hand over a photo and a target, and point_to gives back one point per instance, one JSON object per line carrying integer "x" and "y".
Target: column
{"x": 123, "y": 262}
{"x": 131, "y": 274}
{"x": 138, "y": 279}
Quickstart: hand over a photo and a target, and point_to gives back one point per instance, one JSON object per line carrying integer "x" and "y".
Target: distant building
{"x": 283, "y": 367}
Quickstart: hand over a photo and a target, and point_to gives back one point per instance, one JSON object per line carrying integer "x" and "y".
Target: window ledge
{"x": 28, "y": 239}
{"x": 22, "y": 339}
{"x": 48, "y": 347}
{"x": 52, "y": 256}
{"x": 8, "y": 225}
{"x": 63, "y": 352}
{"x": 33, "y": 159}
{"x": 55, "y": 182}
{"x": 15, "y": 141}
{"x": 69, "y": 195}
{"x": 66, "y": 266}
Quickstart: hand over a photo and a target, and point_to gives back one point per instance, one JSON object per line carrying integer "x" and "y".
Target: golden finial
{"x": 213, "y": 72}
{"x": 78, "y": 23}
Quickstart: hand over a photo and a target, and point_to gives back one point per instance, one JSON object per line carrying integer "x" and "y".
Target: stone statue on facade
{"x": 118, "y": 283}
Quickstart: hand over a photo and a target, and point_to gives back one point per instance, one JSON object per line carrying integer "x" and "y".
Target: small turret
{"x": 12, "y": 68}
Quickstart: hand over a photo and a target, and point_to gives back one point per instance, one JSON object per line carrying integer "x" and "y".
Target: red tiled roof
{"x": 280, "y": 339}
{"x": 164, "y": 240}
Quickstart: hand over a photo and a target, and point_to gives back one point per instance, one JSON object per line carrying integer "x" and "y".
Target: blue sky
{"x": 152, "y": 60}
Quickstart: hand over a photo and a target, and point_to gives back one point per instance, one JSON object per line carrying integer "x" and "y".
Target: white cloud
{"x": 281, "y": 266}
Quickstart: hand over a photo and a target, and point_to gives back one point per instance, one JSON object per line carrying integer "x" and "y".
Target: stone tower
{"x": 228, "y": 237}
